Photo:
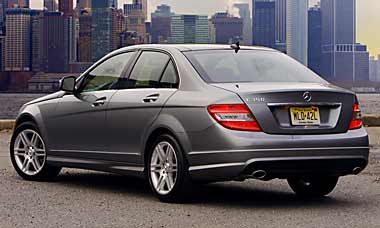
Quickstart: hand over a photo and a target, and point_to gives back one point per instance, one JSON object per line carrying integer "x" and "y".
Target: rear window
{"x": 226, "y": 66}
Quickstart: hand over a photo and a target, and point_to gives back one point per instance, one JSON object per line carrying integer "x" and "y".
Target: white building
{"x": 245, "y": 14}
{"x": 297, "y": 29}
{"x": 374, "y": 69}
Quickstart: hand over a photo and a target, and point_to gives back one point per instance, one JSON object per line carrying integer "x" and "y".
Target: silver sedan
{"x": 184, "y": 114}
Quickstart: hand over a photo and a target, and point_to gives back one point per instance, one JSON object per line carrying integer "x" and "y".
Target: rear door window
{"x": 148, "y": 70}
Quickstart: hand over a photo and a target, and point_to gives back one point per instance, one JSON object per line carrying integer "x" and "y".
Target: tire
{"x": 175, "y": 186}
{"x": 30, "y": 160}
{"x": 314, "y": 186}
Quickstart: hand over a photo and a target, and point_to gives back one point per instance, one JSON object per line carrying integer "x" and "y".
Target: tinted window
{"x": 148, "y": 70}
{"x": 106, "y": 74}
{"x": 169, "y": 78}
{"x": 222, "y": 66}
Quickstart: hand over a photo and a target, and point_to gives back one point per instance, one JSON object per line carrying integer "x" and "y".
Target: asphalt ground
{"x": 80, "y": 198}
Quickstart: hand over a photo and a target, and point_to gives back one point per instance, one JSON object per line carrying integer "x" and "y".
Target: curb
{"x": 6, "y": 124}
{"x": 368, "y": 120}
{"x": 371, "y": 120}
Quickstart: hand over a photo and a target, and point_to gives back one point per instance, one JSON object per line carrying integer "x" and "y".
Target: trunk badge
{"x": 307, "y": 96}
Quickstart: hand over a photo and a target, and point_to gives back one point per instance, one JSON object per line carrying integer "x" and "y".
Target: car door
{"x": 79, "y": 128}
{"x": 136, "y": 105}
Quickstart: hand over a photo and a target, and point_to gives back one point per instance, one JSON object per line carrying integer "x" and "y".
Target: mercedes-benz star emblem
{"x": 307, "y": 96}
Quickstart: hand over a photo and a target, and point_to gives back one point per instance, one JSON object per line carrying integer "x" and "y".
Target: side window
{"x": 148, "y": 70}
{"x": 169, "y": 78}
{"x": 106, "y": 74}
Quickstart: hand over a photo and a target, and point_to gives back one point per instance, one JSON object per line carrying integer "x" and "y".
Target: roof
{"x": 195, "y": 47}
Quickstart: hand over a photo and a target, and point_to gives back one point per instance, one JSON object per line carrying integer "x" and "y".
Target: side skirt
{"x": 97, "y": 165}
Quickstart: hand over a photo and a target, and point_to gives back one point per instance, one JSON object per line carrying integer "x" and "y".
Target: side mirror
{"x": 67, "y": 84}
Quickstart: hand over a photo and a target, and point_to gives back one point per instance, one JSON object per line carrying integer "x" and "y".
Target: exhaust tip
{"x": 357, "y": 170}
{"x": 259, "y": 174}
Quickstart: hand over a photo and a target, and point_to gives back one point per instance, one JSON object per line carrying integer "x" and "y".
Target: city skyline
{"x": 368, "y": 15}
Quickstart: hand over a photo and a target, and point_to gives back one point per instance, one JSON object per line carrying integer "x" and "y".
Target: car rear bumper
{"x": 336, "y": 155}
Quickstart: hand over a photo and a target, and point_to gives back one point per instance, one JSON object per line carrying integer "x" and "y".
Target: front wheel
{"x": 28, "y": 154}
{"x": 167, "y": 170}
{"x": 313, "y": 186}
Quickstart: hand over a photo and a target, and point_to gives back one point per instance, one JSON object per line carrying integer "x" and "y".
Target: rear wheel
{"x": 313, "y": 186}
{"x": 167, "y": 170}
{"x": 28, "y": 154}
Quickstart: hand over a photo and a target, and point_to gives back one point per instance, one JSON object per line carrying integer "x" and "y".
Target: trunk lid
{"x": 270, "y": 103}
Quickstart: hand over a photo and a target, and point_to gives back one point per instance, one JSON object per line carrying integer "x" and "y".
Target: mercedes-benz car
{"x": 185, "y": 114}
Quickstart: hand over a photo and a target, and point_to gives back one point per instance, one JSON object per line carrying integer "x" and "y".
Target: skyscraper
{"x": 137, "y": 15}
{"x": 51, "y": 5}
{"x": 3, "y": 7}
{"x": 36, "y": 43}
{"x": 18, "y": 40}
{"x": 361, "y": 62}
{"x": 84, "y": 51}
{"x": 189, "y": 29}
{"x": 280, "y": 30}
{"x": 228, "y": 29}
{"x": 102, "y": 29}
{"x": 373, "y": 68}
{"x": 315, "y": 39}
{"x": 245, "y": 15}
{"x": 297, "y": 29}
{"x": 56, "y": 42}
{"x": 18, "y": 4}
{"x": 144, "y": 5}
{"x": 66, "y": 7}
{"x": 263, "y": 23}
{"x": 160, "y": 28}
{"x": 83, "y": 4}
{"x": 339, "y": 39}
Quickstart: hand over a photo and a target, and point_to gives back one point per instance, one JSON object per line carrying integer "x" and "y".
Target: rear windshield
{"x": 226, "y": 66}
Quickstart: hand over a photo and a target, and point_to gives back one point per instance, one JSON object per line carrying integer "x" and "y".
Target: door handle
{"x": 99, "y": 102}
{"x": 151, "y": 98}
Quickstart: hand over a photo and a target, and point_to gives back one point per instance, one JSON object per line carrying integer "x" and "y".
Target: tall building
{"x": 66, "y": 7}
{"x": 189, "y": 29}
{"x": 84, "y": 50}
{"x": 296, "y": 29}
{"x": 137, "y": 15}
{"x": 361, "y": 61}
{"x": 18, "y": 40}
{"x": 211, "y": 32}
{"x": 18, "y": 4}
{"x": 2, "y": 52}
{"x": 228, "y": 29}
{"x": 144, "y": 6}
{"x": 160, "y": 27}
{"x": 264, "y": 23}
{"x": 83, "y": 4}
{"x": 36, "y": 42}
{"x": 101, "y": 29}
{"x": 3, "y": 7}
{"x": 51, "y": 5}
{"x": 119, "y": 24}
{"x": 280, "y": 21}
{"x": 56, "y": 42}
{"x": 339, "y": 39}
{"x": 245, "y": 15}
{"x": 374, "y": 67}
{"x": 315, "y": 39}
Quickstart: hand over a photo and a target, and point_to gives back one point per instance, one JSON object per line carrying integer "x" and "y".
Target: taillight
{"x": 234, "y": 116}
{"x": 356, "y": 121}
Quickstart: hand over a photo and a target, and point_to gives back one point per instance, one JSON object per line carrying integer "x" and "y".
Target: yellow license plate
{"x": 305, "y": 116}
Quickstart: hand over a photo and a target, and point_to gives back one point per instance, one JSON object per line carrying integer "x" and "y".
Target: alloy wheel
{"x": 29, "y": 152}
{"x": 163, "y": 168}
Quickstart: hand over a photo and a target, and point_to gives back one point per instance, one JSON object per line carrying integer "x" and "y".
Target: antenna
{"x": 236, "y": 47}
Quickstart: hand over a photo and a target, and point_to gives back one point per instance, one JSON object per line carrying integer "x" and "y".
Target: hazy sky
{"x": 368, "y": 15}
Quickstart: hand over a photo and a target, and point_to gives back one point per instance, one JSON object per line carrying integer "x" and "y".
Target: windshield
{"x": 226, "y": 66}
